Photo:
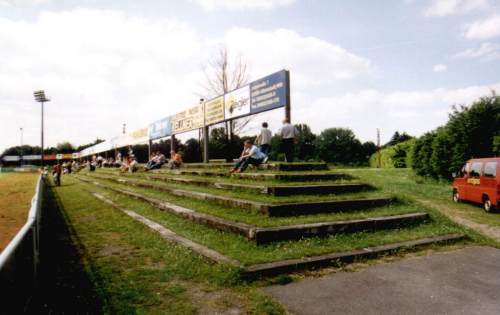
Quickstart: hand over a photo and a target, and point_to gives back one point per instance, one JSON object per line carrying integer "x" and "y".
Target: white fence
{"x": 19, "y": 260}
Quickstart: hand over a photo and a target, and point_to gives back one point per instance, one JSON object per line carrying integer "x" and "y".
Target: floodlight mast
{"x": 41, "y": 98}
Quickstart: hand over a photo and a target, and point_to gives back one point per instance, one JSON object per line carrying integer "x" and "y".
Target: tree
{"x": 65, "y": 147}
{"x": 339, "y": 145}
{"x": 305, "y": 147}
{"x": 223, "y": 75}
{"x": 398, "y": 138}
{"x": 192, "y": 151}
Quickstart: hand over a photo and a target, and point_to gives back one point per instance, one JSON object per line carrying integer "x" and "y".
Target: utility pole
{"x": 379, "y": 162}
{"x": 124, "y": 128}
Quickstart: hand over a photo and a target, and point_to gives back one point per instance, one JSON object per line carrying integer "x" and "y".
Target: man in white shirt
{"x": 288, "y": 135}
{"x": 251, "y": 155}
{"x": 264, "y": 139}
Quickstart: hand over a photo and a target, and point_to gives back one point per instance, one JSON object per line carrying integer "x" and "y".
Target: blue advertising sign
{"x": 269, "y": 92}
{"x": 160, "y": 128}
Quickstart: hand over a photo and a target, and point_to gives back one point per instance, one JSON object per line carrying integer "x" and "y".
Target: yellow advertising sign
{"x": 214, "y": 111}
{"x": 188, "y": 120}
{"x": 139, "y": 133}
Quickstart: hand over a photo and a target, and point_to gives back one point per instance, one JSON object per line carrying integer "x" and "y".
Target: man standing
{"x": 288, "y": 135}
{"x": 56, "y": 173}
{"x": 264, "y": 139}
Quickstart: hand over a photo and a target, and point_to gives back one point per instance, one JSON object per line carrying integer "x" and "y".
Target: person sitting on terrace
{"x": 124, "y": 165}
{"x": 175, "y": 160}
{"x": 133, "y": 165}
{"x": 251, "y": 155}
{"x": 154, "y": 162}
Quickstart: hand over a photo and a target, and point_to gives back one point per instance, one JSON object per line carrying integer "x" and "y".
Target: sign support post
{"x": 288, "y": 112}
{"x": 205, "y": 144}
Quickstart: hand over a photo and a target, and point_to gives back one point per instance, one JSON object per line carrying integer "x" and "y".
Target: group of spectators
{"x": 158, "y": 159}
{"x": 256, "y": 153}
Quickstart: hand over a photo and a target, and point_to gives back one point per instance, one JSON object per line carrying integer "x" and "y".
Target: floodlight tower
{"x": 21, "y": 148}
{"x": 41, "y": 98}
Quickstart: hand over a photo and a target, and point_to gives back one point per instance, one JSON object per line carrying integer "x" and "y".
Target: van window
{"x": 490, "y": 169}
{"x": 475, "y": 170}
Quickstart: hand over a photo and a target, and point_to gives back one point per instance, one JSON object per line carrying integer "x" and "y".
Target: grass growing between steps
{"x": 235, "y": 180}
{"x": 135, "y": 271}
{"x": 254, "y": 217}
{"x": 245, "y": 195}
{"x": 248, "y": 253}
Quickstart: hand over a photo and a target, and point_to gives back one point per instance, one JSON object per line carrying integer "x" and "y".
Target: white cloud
{"x": 212, "y": 5}
{"x": 23, "y": 3}
{"x": 311, "y": 60}
{"x": 487, "y": 51}
{"x": 412, "y": 111}
{"x": 441, "y": 8}
{"x": 103, "y": 68}
{"x": 484, "y": 29}
{"x": 439, "y": 68}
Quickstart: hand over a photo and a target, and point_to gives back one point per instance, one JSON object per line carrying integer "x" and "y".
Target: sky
{"x": 361, "y": 64}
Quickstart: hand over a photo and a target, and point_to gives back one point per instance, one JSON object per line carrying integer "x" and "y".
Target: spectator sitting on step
{"x": 154, "y": 162}
{"x": 175, "y": 160}
{"x": 133, "y": 166}
{"x": 251, "y": 155}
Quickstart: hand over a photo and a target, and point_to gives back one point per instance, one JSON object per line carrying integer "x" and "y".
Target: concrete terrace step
{"x": 269, "y": 190}
{"x": 270, "y": 209}
{"x": 280, "y": 233}
{"x": 277, "y": 166}
{"x": 262, "y": 176}
{"x": 292, "y": 265}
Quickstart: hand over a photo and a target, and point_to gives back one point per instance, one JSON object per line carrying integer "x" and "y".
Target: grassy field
{"x": 134, "y": 270}
{"x": 404, "y": 183}
{"x": 16, "y": 191}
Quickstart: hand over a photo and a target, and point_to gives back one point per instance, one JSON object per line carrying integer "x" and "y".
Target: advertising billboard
{"x": 237, "y": 103}
{"x": 269, "y": 92}
{"x": 187, "y": 120}
{"x": 214, "y": 111}
{"x": 160, "y": 128}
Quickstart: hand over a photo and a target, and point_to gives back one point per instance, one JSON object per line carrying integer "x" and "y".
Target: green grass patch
{"x": 135, "y": 271}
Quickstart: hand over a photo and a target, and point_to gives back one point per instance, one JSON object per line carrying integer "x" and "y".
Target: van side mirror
{"x": 454, "y": 174}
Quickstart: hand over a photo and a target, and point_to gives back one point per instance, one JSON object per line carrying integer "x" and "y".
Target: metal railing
{"x": 20, "y": 259}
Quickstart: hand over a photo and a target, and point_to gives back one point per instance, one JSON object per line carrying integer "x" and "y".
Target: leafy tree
{"x": 305, "y": 147}
{"x": 398, "y": 138}
{"x": 65, "y": 147}
{"x": 339, "y": 145}
{"x": 192, "y": 151}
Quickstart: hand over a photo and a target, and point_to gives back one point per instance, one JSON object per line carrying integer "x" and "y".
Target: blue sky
{"x": 394, "y": 65}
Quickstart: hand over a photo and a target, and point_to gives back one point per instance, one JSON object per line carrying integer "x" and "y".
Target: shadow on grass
{"x": 64, "y": 286}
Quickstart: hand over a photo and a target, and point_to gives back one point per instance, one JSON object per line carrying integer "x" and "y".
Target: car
{"x": 479, "y": 182}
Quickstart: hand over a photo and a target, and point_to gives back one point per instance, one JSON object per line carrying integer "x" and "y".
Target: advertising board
{"x": 187, "y": 120}
{"x": 269, "y": 92}
{"x": 214, "y": 111}
{"x": 160, "y": 128}
{"x": 237, "y": 103}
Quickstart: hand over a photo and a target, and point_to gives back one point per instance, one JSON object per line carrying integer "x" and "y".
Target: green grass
{"x": 246, "y": 195}
{"x": 235, "y": 180}
{"x": 248, "y": 253}
{"x": 402, "y": 182}
{"x": 135, "y": 271}
{"x": 254, "y": 217}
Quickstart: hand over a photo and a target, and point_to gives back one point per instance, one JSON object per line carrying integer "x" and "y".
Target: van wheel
{"x": 488, "y": 207}
{"x": 456, "y": 196}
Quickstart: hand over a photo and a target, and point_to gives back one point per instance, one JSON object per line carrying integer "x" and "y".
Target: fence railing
{"x": 19, "y": 260}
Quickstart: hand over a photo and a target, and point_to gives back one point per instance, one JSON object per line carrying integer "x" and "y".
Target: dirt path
{"x": 454, "y": 215}
{"x": 16, "y": 191}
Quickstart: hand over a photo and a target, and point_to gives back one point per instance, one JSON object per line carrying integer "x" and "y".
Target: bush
{"x": 471, "y": 132}
{"x": 396, "y": 156}
{"x": 339, "y": 145}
